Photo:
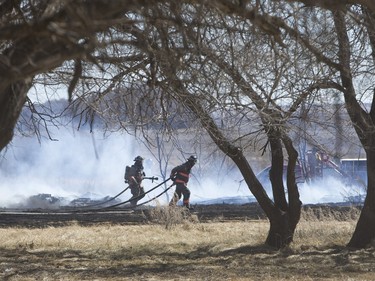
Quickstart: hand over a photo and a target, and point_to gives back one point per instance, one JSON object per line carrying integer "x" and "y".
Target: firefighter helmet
{"x": 139, "y": 158}
{"x": 192, "y": 159}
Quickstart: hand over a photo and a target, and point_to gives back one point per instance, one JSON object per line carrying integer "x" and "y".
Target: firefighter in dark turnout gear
{"x": 134, "y": 176}
{"x": 180, "y": 175}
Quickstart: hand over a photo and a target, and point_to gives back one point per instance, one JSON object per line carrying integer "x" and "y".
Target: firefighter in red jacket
{"x": 180, "y": 175}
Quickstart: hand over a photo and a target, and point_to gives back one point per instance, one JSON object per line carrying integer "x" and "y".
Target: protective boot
{"x": 187, "y": 205}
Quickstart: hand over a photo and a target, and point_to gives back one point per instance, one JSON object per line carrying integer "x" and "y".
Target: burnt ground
{"x": 40, "y": 218}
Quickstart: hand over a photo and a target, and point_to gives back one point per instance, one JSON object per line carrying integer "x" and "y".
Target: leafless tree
{"x": 213, "y": 70}
{"x": 349, "y": 57}
{"x": 39, "y": 36}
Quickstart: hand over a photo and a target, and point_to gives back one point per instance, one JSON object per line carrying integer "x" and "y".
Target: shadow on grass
{"x": 27, "y": 262}
{"x": 201, "y": 263}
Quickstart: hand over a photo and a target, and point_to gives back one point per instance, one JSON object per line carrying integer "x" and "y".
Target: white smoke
{"x": 81, "y": 164}
{"x": 327, "y": 190}
{"x": 68, "y": 167}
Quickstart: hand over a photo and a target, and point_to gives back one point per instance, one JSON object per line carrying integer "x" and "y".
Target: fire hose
{"x": 143, "y": 203}
{"x": 127, "y": 201}
{"x": 113, "y": 198}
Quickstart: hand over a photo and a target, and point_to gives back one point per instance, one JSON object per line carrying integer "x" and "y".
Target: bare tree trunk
{"x": 284, "y": 217}
{"x": 280, "y": 233}
{"x": 12, "y": 99}
{"x": 364, "y": 124}
{"x": 293, "y": 193}
{"x": 281, "y": 230}
{"x": 276, "y": 174}
{"x": 364, "y": 232}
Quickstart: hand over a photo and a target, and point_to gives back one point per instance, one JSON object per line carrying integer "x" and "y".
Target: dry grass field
{"x": 177, "y": 246}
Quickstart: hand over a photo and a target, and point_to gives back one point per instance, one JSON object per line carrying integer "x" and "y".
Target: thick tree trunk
{"x": 364, "y": 124}
{"x": 12, "y": 99}
{"x": 280, "y": 233}
{"x": 285, "y": 215}
{"x": 365, "y": 230}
